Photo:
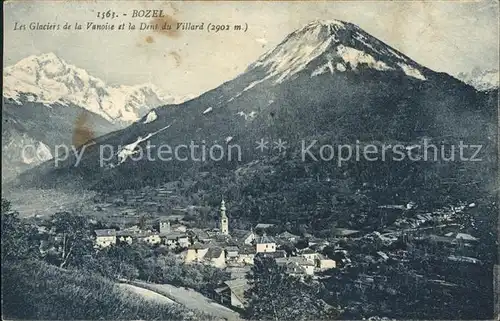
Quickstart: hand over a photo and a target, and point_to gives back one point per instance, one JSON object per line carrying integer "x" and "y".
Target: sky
{"x": 446, "y": 36}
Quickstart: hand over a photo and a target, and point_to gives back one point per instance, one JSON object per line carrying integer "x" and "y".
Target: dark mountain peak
{"x": 325, "y": 28}
{"x": 333, "y": 46}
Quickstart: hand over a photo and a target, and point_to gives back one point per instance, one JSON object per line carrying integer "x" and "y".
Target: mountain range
{"x": 31, "y": 130}
{"x": 329, "y": 81}
{"x": 481, "y": 79}
{"x": 46, "y": 101}
{"x": 48, "y": 79}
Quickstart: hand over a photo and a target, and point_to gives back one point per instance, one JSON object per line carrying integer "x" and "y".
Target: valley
{"x": 279, "y": 232}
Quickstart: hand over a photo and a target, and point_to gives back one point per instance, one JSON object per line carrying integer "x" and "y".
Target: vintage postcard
{"x": 250, "y": 160}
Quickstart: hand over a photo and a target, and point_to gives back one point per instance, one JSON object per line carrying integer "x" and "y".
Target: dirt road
{"x": 191, "y": 299}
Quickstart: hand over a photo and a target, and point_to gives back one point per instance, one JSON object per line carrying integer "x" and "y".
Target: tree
{"x": 274, "y": 295}
{"x": 15, "y": 235}
{"x": 75, "y": 237}
{"x": 142, "y": 222}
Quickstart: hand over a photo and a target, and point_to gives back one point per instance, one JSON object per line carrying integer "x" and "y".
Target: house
{"x": 183, "y": 240}
{"x": 246, "y": 255}
{"x": 216, "y": 257}
{"x": 262, "y": 227}
{"x": 178, "y": 228}
{"x": 238, "y": 272}
{"x": 265, "y": 244}
{"x": 309, "y": 255}
{"x": 275, "y": 255}
{"x": 127, "y": 235}
{"x": 195, "y": 253}
{"x": 440, "y": 239}
{"x": 164, "y": 227}
{"x": 464, "y": 237}
{"x": 129, "y": 212}
{"x": 179, "y": 211}
{"x": 105, "y": 237}
{"x": 173, "y": 218}
{"x": 293, "y": 268}
{"x": 383, "y": 255}
{"x": 243, "y": 236}
{"x": 200, "y": 235}
{"x": 323, "y": 263}
{"x": 132, "y": 233}
{"x": 296, "y": 265}
{"x": 464, "y": 259}
{"x": 201, "y": 253}
{"x": 150, "y": 237}
{"x": 176, "y": 240}
{"x": 232, "y": 252}
{"x": 453, "y": 238}
{"x": 302, "y": 262}
{"x": 132, "y": 229}
{"x": 233, "y": 293}
{"x": 421, "y": 218}
{"x": 123, "y": 237}
{"x": 319, "y": 246}
{"x": 287, "y": 236}
{"x": 213, "y": 233}
{"x": 396, "y": 207}
{"x": 343, "y": 232}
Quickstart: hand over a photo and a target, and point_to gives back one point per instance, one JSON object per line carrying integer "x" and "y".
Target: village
{"x": 234, "y": 250}
{"x": 198, "y": 235}
{"x": 159, "y": 240}
{"x": 231, "y": 250}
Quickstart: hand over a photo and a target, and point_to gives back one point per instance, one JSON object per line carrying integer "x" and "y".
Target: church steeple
{"x": 224, "y": 221}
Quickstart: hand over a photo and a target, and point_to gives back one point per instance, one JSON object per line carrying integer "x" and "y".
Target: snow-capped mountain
{"x": 334, "y": 46}
{"x": 31, "y": 131}
{"x": 481, "y": 79}
{"x": 326, "y": 80}
{"x": 48, "y": 79}
{"x": 20, "y": 152}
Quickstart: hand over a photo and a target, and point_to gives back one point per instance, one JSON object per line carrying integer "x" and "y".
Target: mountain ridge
{"x": 352, "y": 45}
{"x": 48, "y": 79}
{"x": 483, "y": 80}
{"x": 31, "y": 132}
{"x": 293, "y": 101}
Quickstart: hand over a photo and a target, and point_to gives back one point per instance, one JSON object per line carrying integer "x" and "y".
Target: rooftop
{"x": 265, "y": 240}
{"x": 199, "y": 233}
{"x": 197, "y": 246}
{"x": 213, "y": 253}
{"x": 308, "y": 251}
{"x": 294, "y": 259}
{"x": 263, "y": 225}
{"x": 105, "y": 232}
{"x": 287, "y": 234}
{"x": 240, "y": 234}
{"x": 238, "y": 288}
{"x": 247, "y": 250}
{"x": 174, "y": 236}
{"x": 344, "y": 232}
{"x": 277, "y": 254}
{"x": 465, "y": 236}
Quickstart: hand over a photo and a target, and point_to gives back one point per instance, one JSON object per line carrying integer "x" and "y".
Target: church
{"x": 239, "y": 246}
{"x": 224, "y": 221}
